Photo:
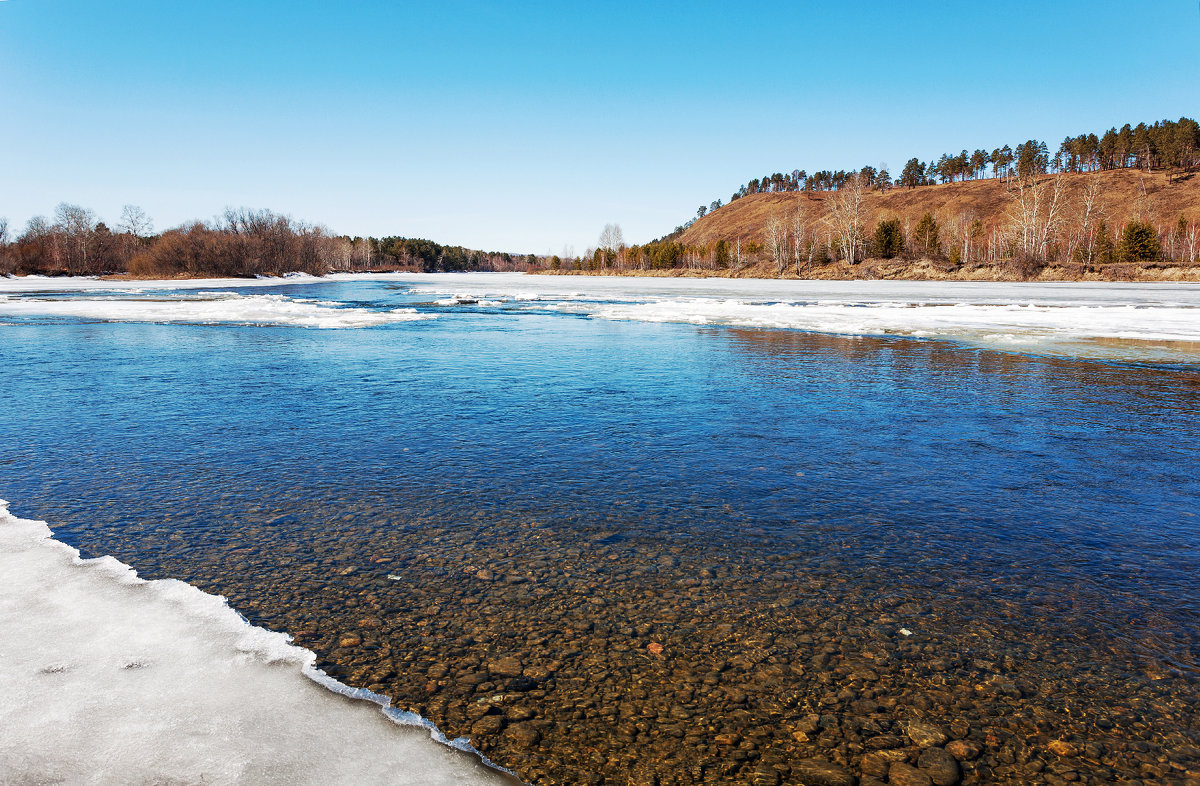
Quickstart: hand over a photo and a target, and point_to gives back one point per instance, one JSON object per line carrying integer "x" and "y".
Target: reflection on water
{"x": 770, "y": 506}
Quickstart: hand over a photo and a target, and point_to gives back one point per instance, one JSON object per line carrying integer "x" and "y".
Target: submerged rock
{"x": 941, "y": 767}
{"x": 925, "y": 734}
{"x": 901, "y": 774}
{"x": 820, "y": 772}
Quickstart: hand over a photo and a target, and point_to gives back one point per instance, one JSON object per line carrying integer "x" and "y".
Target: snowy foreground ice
{"x": 109, "y": 679}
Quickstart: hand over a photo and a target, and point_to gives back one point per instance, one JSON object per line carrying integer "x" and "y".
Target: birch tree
{"x": 1087, "y": 212}
{"x": 1192, "y": 243}
{"x": 804, "y": 239}
{"x": 1036, "y": 214}
{"x": 846, "y": 215}
{"x": 611, "y": 242}
{"x": 777, "y": 242}
{"x": 135, "y": 222}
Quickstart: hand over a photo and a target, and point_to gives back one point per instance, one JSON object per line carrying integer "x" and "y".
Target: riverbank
{"x": 919, "y": 270}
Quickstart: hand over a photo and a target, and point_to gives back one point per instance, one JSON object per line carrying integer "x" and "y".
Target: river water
{"x": 630, "y": 529}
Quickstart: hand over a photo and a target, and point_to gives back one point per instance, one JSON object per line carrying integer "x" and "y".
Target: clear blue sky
{"x": 528, "y": 126}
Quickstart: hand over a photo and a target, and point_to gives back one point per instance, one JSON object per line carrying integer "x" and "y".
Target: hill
{"x": 977, "y": 223}
{"x": 1123, "y": 193}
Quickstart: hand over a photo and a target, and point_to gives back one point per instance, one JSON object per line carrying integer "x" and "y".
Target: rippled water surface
{"x": 444, "y": 481}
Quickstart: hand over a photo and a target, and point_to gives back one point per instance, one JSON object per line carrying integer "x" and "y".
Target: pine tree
{"x": 889, "y": 238}
{"x": 927, "y": 238}
{"x": 1139, "y": 243}
{"x": 721, "y": 253}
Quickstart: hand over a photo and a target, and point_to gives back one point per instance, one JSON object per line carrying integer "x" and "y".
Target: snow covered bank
{"x": 109, "y": 679}
{"x": 87, "y": 283}
{"x": 212, "y": 308}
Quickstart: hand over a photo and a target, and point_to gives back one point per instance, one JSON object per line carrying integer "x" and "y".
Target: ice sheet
{"x": 1154, "y": 322}
{"x": 108, "y": 679}
{"x": 1158, "y": 322}
{"x": 208, "y": 309}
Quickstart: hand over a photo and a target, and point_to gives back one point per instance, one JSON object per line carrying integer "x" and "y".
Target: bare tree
{"x": 76, "y": 224}
{"x": 804, "y": 239}
{"x": 1192, "y": 242}
{"x": 7, "y": 264}
{"x": 1087, "y": 214}
{"x": 1036, "y": 214}
{"x": 135, "y": 221}
{"x": 846, "y": 215}
{"x": 777, "y": 242}
{"x": 611, "y": 243}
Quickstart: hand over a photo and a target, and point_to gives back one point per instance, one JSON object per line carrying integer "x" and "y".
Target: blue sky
{"x": 528, "y": 126}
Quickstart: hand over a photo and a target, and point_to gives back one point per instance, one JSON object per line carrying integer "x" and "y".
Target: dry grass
{"x": 1125, "y": 194}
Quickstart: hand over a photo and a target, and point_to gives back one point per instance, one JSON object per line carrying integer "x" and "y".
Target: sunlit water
{"x": 1048, "y": 495}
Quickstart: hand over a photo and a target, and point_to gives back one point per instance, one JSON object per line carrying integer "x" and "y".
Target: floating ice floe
{"x": 467, "y": 300}
{"x": 109, "y": 679}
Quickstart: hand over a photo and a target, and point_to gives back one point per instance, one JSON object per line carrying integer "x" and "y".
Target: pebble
{"x": 821, "y": 772}
{"x": 901, "y": 774}
{"x": 941, "y": 767}
{"x": 1063, "y": 748}
{"x": 487, "y": 726}
{"x": 506, "y": 667}
{"x": 925, "y": 734}
{"x": 522, "y": 735}
{"x": 964, "y": 750}
{"x": 562, "y": 689}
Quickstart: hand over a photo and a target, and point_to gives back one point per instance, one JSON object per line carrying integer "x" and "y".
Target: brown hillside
{"x": 1125, "y": 193}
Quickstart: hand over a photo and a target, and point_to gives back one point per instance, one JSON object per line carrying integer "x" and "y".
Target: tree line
{"x": 241, "y": 242}
{"x": 1168, "y": 145}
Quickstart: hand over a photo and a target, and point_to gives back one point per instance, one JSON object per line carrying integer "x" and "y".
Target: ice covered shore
{"x": 107, "y": 678}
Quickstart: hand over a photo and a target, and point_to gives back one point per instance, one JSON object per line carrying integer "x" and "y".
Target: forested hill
{"x": 1106, "y": 224}
{"x": 1120, "y": 194}
{"x": 1172, "y": 146}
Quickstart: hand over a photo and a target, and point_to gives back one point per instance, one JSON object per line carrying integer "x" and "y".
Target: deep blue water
{"x": 1068, "y": 486}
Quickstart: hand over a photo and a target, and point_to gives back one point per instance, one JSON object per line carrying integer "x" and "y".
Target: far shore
{"x": 867, "y": 270}
{"x": 917, "y": 270}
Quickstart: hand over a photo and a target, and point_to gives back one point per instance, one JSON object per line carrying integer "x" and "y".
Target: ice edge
{"x": 255, "y": 639}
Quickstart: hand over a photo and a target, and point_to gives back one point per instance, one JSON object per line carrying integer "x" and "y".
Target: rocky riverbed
{"x": 590, "y": 655}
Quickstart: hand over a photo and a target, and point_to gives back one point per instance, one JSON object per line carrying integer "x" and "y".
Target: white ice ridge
{"x": 109, "y": 679}
{"x": 1014, "y": 320}
{"x": 86, "y": 283}
{"x": 209, "y": 309}
{"x": 986, "y": 313}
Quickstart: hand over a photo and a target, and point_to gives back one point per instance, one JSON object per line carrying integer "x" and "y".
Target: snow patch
{"x": 110, "y": 679}
{"x": 210, "y": 308}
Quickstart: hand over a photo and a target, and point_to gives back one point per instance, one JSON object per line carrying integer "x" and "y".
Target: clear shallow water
{"x": 1041, "y": 499}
